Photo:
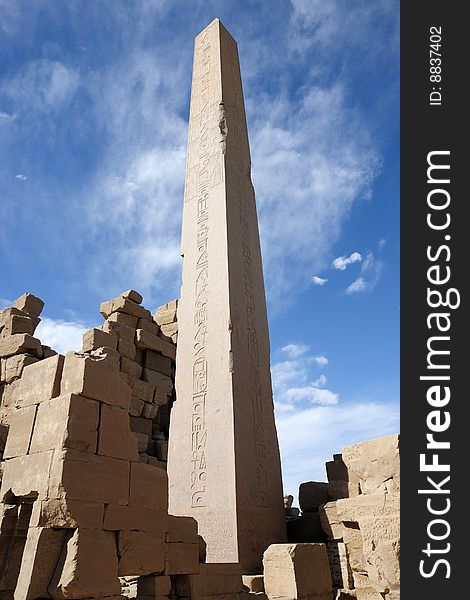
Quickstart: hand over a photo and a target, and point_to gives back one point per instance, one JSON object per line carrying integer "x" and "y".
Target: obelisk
{"x": 224, "y": 466}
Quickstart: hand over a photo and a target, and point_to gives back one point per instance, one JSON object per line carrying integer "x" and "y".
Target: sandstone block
{"x": 138, "y": 518}
{"x": 25, "y": 475}
{"x": 142, "y": 389}
{"x": 89, "y": 567}
{"x": 161, "y": 449}
{"x": 181, "y": 558}
{"x": 182, "y": 529}
{"x": 353, "y": 540}
{"x": 170, "y": 330}
{"x": 297, "y": 571}
{"x": 149, "y": 326}
{"x": 126, "y": 348}
{"x": 213, "y": 579}
{"x": 147, "y": 341}
{"x": 133, "y": 295}
{"x": 108, "y": 357}
{"x": 336, "y": 470}
{"x": 140, "y": 425}
{"x": 67, "y": 514}
{"x": 148, "y": 487}
{"x": 330, "y": 522}
{"x": 12, "y": 367}
{"x": 374, "y": 461}
{"x": 21, "y": 429}
{"x": 115, "y": 436}
{"x": 307, "y": 528}
{"x": 343, "y": 489}
{"x": 158, "y": 362}
{"x": 120, "y": 330}
{"x": 18, "y": 324}
{"x": 153, "y": 585}
{"x": 312, "y": 494}
{"x": 288, "y": 501}
{"x": 68, "y": 421}
{"x": 40, "y": 381}
{"x": 255, "y": 583}
{"x": 88, "y": 477}
{"x": 126, "y": 306}
{"x": 142, "y": 441}
{"x": 20, "y": 343}
{"x": 130, "y": 367}
{"x": 381, "y": 550}
{"x": 167, "y": 313}
{"x": 163, "y": 385}
{"x": 83, "y": 374}
{"x": 128, "y": 320}
{"x": 150, "y": 411}
{"x": 368, "y": 505}
{"x": 29, "y": 304}
{"x": 140, "y": 553}
{"x": 47, "y": 351}
{"x": 340, "y": 569}
{"x": 96, "y": 338}
{"x": 41, "y": 553}
{"x": 136, "y": 407}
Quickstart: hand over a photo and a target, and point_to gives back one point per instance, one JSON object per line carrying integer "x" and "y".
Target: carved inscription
{"x": 199, "y": 391}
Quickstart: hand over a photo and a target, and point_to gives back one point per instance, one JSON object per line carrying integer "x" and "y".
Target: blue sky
{"x": 94, "y": 101}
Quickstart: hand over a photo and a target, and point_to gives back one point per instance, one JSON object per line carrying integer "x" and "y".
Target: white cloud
{"x": 61, "y": 335}
{"x": 295, "y": 350}
{"x": 371, "y": 269}
{"x": 319, "y": 280}
{"x": 342, "y": 262}
{"x": 320, "y": 381}
{"x": 321, "y": 360}
{"x": 309, "y": 436}
{"x": 21, "y": 177}
{"x": 382, "y": 243}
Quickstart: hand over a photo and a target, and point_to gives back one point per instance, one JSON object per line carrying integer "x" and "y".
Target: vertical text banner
{"x": 435, "y": 249}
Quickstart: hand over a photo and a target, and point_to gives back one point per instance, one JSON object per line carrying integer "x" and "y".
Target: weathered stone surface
{"x": 312, "y": 494}
{"x": 96, "y": 338}
{"x": 47, "y": 351}
{"x": 127, "y": 348}
{"x": 24, "y": 475}
{"x": 141, "y": 425}
{"x": 353, "y": 540}
{"x": 115, "y": 436}
{"x": 17, "y": 323}
{"x": 12, "y": 367}
{"x": 140, "y": 553}
{"x": 126, "y": 306}
{"x": 330, "y": 522}
{"x": 161, "y": 449}
{"x": 29, "y": 304}
{"x": 340, "y": 569}
{"x": 20, "y": 343}
{"x": 67, "y": 514}
{"x": 343, "y": 489}
{"x": 163, "y": 384}
{"x": 375, "y": 462}
{"x": 133, "y": 295}
{"x": 148, "y": 487}
{"x": 136, "y": 406}
{"x": 182, "y": 529}
{"x": 138, "y": 518}
{"x": 367, "y": 505}
{"x": 181, "y": 558}
{"x": 255, "y": 583}
{"x": 288, "y": 501}
{"x": 149, "y": 326}
{"x": 154, "y": 585}
{"x": 108, "y": 357}
{"x": 141, "y": 389}
{"x": 68, "y": 421}
{"x": 40, "y": 381}
{"x": 307, "y": 528}
{"x": 381, "y": 550}
{"x": 158, "y": 362}
{"x": 147, "y": 341}
{"x": 119, "y": 329}
{"x": 167, "y": 313}
{"x": 21, "y": 430}
{"x": 213, "y": 579}
{"x": 40, "y": 556}
{"x": 130, "y": 367}
{"x": 297, "y": 571}
{"x": 171, "y": 331}
{"x": 89, "y": 567}
{"x": 223, "y": 342}
{"x": 336, "y": 470}
{"x": 128, "y": 320}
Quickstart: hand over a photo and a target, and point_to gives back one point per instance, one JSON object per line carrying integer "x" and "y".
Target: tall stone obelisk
{"x": 224, "y": 466}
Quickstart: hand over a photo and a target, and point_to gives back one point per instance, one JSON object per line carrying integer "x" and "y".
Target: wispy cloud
{"x": 321, "y": 360}
{"x": 371, "y": 269}
{"x": 319, "y": 280}
{"x": 61, "y": 335}
{"x": 21, "y": 177}
{"x": 295, "y": 350}
{"x": 342, "y": 262}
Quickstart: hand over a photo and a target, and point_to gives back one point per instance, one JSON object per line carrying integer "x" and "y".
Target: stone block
{"x": 367, "y": 505}
{"x": 307, "y": 528}
{"x": 167, "y": 313}
{"x": 336, "y": 470}
{"x": 153, "y": 585}
{"x": 353, "y": 540}
{"x": 170, "y": 330}
{"x": 312, "y": 494}
{"x": 141, "y": 425}
{"x": 130, "y": 367}
{"x": 47, "y": 351}
{"x": 67, "y": 421}
{"x": 126, "y": 306}
{"x": 109, "y": 358}
{"x": 89, "y": 566}
{"x": 140, "y": 553}
{"x": 20, "y": 343}
{"x": 97, "y": 338}
{"x": 84, "y": 375}
{"x": 12, "y": 367}
{"x": 343, "y": 489}
{"x": 181, "y": 558}
{"x": 40, "y": 381}
{"x": 138, "y": 518}
{"x": 142, "y": 441}
{"x": 21, "y": 430}
{"x": 115, "y": 437}
{"x": 375, "y": 462}
{"x": 18, "y": 324}
{"x": 128, "y": 320}
{"x": 29, "y": 304}
{"x": 161, "y": 449}
{"x": 141, "y": 389}
{"x": 340, "y": 569}
{"x": 122, "y": 331}
{"x": 288, "y": 500}
{"x": 41, "y": 553}
{"x": 297, "y": 571}
{"x": 88, "y": 477}
{"x": 26, "y": 475}
{"x": 148, "y": 487}
{"x": 67, "y": 514}
{"x": 149, "y": 326}
{"x": 330, "y": 522}
{"x": 150, "y": 411}
{"x": 158, "y": 362}
{"x": 182, "y": 529}
{"x": 381, "y": 550}
{"x": 255, "y": 583}
{"x": 213, "y": 579}
{"x": 133, "y": 295}
{"x": 126, "y": 348}
{"x": 146, "y": 341}
{"x": 136, "y": 407}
